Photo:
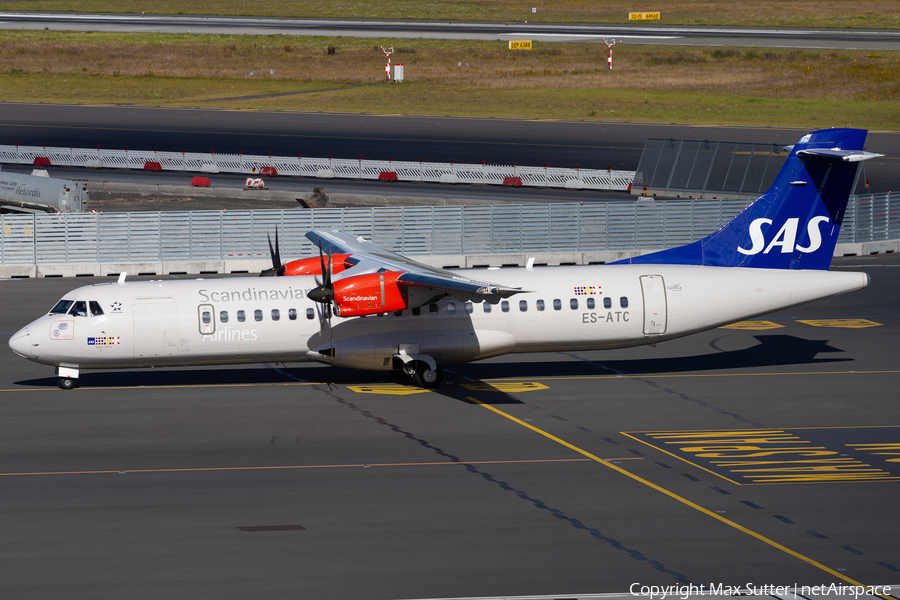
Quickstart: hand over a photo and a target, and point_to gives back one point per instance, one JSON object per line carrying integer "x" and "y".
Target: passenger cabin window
{"x": 417, "y": 311}
{"x": 557, "y": 304}
{"x": 79, "y": 309}
{"x": 276, "y": 314}
{"x": 96, "y": 311}
{"x": 523, "y": 305}
{"x": 398, "y": 313}
{"x": 469, "y": 307}
{"x": 540, "y": 305}
{"x": 223, "y": 316}
{"x": 607, "y": 303}
{"x": 486, "y": 306}
{"x": 310, "y": 313}
{"x": 451, "y": 308}
{"x": 504, "y": 306}
{"x": 590, "y": 303}
{"x": 292, "y": 314}
{"x": 623, "y": 302}
{"x": 432, "y": 309}
{"x": 241, "y": 316}
{"x": 573, "y": 303}
{"x": 62, "y": 307}
{"x": 206, "y": 317}
{"x": 257, "y": 315}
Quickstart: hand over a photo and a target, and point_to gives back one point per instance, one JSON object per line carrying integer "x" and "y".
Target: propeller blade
{"x": 277, "y": 269}
{"x": 324, "y": 293}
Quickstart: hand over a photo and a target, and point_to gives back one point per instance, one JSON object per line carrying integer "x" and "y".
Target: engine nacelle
{"x": 313, "y": 266}
{"x": 370, "y": 294}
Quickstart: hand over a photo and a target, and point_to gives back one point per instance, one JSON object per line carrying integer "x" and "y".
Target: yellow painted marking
{"x": 676, "y": 497}
{"x": 295, "y": 467}
{"x": 509, "y": 387}
{"x": 882, "y": 446}
{"x": 843, "y": 323}
{"x": 753, "y": 325}
{"x": 779, "y": 447}
{"x": 681, "y": 458}
{"x": 387, "y": 389}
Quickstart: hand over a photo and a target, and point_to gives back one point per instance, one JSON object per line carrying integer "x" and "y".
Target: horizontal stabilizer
{"x": 838, "y": 154}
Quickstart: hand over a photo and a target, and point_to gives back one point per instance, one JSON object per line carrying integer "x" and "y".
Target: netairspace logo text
{"x": 751, "y": 589}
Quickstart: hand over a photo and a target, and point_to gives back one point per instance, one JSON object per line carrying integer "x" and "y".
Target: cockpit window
{"x": 62, "y": 307}
{"x": 96, "y": 311}
{"x": 79, "y": 309}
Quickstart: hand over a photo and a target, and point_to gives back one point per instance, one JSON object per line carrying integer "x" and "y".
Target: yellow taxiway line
{"x": 675, "y": 496}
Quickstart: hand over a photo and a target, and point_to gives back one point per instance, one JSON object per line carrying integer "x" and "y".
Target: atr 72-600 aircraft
{"x": 373, "y": 309}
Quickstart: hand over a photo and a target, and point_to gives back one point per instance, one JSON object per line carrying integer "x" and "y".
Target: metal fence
{"x": 701, "y": 167}
{"x": 303, "y": 166}
{"x": 442, "y": 230}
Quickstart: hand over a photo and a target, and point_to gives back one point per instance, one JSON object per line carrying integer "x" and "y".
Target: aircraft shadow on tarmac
{"x": 771, "y": 351}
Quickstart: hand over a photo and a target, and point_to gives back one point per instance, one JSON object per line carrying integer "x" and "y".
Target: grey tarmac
{"x": 138, "y": 483}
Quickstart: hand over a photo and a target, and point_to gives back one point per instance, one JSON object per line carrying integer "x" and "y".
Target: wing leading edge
{"x": 373, "y": 258}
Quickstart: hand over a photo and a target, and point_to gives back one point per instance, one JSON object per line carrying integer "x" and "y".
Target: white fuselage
{"x": 252, "y": 320}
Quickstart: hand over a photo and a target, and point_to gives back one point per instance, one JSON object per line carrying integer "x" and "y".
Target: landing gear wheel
{"x": 68, "y": 383}
{"x": 426, "y": 377}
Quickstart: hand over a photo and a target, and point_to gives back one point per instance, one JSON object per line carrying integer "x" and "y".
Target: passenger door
{"x": 653, "y": 289}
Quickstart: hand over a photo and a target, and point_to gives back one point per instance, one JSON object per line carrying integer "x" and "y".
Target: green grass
{"x": 809, "y": 88}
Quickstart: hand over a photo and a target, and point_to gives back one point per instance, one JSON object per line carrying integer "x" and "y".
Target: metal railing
{"x": 437, "y": 230}
{"x": 303, "y": 166}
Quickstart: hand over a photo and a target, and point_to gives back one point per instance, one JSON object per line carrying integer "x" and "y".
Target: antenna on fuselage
{"x": 122, "y": 278}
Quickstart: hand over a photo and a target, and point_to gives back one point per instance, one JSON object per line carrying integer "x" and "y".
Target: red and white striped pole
{"x": 387, "y": 65}
{"x": 609, "y": 45}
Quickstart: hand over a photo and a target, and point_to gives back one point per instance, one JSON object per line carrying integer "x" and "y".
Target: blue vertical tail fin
{"x": 795, "y": 223}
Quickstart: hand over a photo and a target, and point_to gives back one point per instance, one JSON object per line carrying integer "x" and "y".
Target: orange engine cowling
{"x": 313, "y": 266}
{"x": 370, "y": 294}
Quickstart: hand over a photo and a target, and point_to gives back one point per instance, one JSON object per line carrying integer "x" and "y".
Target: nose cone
{"x": 20, "y": 343}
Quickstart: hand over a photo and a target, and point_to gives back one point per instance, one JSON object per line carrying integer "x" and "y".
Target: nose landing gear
{"x": 68, "y": 377}
{"x": 68, "y": 383}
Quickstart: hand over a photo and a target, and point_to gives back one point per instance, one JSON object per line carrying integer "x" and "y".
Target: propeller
{"x": 324, "y": 294}
{"x": 277, "y": 269}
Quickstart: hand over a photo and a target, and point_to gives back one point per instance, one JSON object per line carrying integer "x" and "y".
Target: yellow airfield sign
{"x": 520, "y": 45}
{"x": 643, "y": 16}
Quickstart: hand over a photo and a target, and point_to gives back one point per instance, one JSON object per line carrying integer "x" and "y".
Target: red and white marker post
{"x": 387, "y": 65}
{"x": 609, "y": 45}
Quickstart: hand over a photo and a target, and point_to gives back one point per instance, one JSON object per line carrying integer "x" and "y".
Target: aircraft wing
{"x": 371, "y": 258}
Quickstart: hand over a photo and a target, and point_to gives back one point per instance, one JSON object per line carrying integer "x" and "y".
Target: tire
{"x": 67, "y": 383}
{"x": 426, "y": 377}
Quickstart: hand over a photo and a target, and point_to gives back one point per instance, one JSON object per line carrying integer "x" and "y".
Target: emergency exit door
{"x": 653, "y": 289}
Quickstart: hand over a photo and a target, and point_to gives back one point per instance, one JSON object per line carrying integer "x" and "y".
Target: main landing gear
{"x": 422, "y": 368}
{"x": 426, "y": 377}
